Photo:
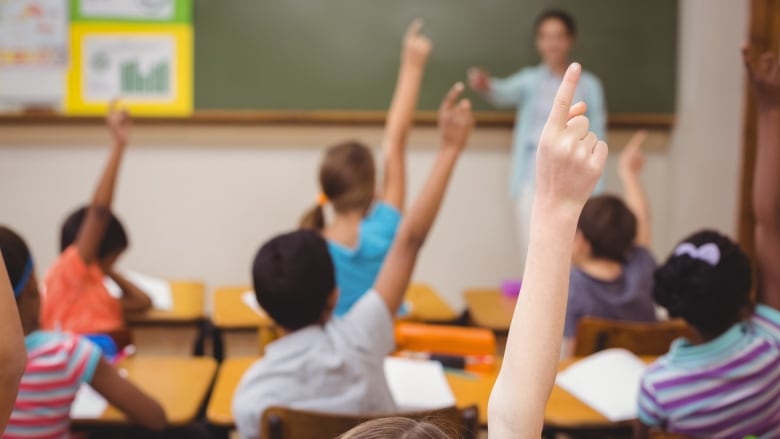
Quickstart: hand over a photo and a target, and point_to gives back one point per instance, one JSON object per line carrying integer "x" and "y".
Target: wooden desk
{"x": 565, "y": 412}
{"x": 469, "y": 389}
{"x": 490, "y": 308}
{"x": 179, "y": 384}
{"x": 188, "y": 307}
{"x": 230, "y": 313}
{"x": 427, "y": 305}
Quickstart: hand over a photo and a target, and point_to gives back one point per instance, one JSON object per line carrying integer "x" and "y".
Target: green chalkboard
{"x": 343, "y": 54}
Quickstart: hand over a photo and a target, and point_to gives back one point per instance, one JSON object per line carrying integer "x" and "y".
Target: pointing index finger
{"x": 563, "y": 98}
{"x": 414, "y": 28}
{"x": 452, "y": 96}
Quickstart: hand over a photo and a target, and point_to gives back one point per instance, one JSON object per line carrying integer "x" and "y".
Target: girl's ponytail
{"x": 314, "y": 219}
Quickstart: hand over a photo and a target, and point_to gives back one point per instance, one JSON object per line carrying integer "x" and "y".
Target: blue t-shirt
{"x": 358, "y": 267}
{"x": 627, "y": 298}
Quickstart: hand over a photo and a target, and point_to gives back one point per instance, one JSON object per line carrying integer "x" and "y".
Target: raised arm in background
{"x": 630, "y": 166}
{"x": 13, "y": 355}
{"x": 455, "y": 124}
{"x": 764, "y": 76}
{"x": 569, "y": 163}
{"x": 98, "y": 215}
{"x": 400, "y": 118}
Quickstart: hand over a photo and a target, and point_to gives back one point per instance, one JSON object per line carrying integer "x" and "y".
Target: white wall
{"x": 199, "y": 200}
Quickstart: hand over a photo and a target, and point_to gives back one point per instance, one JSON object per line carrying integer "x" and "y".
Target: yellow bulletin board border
{"x": 182, "y": 103}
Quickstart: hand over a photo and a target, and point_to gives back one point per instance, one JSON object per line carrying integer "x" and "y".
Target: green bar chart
{"x": 155, "y": 82}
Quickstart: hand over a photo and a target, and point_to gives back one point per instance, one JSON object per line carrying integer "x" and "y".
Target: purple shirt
{"x": 726, "y": 388}
{"x": 629, "y": 297}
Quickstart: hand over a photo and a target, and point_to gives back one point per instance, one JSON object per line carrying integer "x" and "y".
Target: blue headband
{"x": 19, "y": 287}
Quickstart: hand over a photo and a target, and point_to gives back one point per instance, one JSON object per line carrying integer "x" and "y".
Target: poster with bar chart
{"x": 147, "y": 66}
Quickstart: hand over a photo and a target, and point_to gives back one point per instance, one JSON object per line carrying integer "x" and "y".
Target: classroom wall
{"x": 199, "y": 200}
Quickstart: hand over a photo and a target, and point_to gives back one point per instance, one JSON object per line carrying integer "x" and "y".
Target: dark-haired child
{"x": 58, "y": 363}
{"x": 612, "y": 276}
{"x": 75, "y": 298}
{"x": 726, "y": 383}
{"x": 12, "y": 363}
{"x": 364, "y": 225}
{"x": 333, "y": 364}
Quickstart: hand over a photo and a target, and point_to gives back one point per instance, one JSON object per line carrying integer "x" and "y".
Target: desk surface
{"x": 230, "y": 312}
{"x": 427, "y": 305}
{"x": 490, "y": 308}
{"x": 187, "y": 306}
{"x": 563, "y": 409}
{"x": 179, "y": 384}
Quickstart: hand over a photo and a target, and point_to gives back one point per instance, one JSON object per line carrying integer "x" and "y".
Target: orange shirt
{"x": 76, "y": 300}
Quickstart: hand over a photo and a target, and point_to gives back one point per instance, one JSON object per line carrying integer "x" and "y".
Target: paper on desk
{"x": 250, "y": 299}
{"x": 418, "y": 384}
{"x": 607, "y": 381}
{"x": 158, "y": 290}
{"x": 88, "y": 404}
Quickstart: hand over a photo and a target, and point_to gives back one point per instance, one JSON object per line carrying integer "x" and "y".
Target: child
{"x": 11, "y": 346}
{"x": 75, "y": 297}
{"x": 58, "y": 363}
{"x": 570, "y": 161}
{"x": 363, "y": 228}
{"x": 336, "y": 364}
{"x": 725, "y": 384}
{"x": 613, "y": 269}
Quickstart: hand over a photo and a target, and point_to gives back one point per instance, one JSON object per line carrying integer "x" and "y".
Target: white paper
{"x": 250, "y": 299}
{"x": 607, "y": 381}
{"x": 88, "y": 404}
{"x": 418, "y": 384}
{"x": 158, "y": 290}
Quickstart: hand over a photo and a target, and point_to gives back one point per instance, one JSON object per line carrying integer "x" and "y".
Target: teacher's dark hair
{"x": 557, "y": 14}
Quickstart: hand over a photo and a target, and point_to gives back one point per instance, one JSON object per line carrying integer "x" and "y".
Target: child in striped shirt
{"x": 726, "y": 384}
{"x": 58, "y": 363}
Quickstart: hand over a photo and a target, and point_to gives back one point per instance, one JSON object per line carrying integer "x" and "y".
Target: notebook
{"x": 158, "y": 290}
{"x": 418, "y": 384}
{"x": 607, "y": 381}
{"x": 88, "y": 404}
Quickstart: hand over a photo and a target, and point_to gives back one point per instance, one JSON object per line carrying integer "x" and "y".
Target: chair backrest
{"x": 447, "y": 340}
{"x": 286, "y": 423}
{"x": 664, "y": 435}
{"x": 595, "y": 334}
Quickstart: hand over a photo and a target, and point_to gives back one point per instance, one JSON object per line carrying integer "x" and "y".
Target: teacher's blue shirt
{"x": 532, "y": 91}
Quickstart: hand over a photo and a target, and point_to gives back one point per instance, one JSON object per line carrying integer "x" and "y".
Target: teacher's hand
{"x": 479, "y": 80}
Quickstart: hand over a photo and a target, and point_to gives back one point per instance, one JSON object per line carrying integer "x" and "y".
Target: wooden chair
{"x": 286, "y": 423}
{"x": 595, "y": 334}
{"x": 657, "y": 434}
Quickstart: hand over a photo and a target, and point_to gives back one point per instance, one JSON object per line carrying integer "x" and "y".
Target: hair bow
{"x": 709, "y": 253}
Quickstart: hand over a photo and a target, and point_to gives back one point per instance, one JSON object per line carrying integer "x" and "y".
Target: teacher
{"x": 531, "y": 91}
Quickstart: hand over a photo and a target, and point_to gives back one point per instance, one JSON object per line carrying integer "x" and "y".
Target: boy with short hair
{"x": 612, "y": 273}
{"x": 336, "y": 364}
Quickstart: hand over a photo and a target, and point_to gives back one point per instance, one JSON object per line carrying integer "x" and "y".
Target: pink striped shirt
{"x": 726, "y": 388}
{"x": 57, "y": 364}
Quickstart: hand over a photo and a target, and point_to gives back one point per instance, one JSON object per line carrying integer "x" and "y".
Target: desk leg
{"x": 208, "y": 331}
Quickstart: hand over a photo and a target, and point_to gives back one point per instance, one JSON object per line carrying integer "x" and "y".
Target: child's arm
{"x": 13, "y": 355}
{"x": 128, "y": 398}
{"x": 570, "y": 160}
{"x": 455, "y": 125}
{"x": 415, "y": 54}
{"x": 133, "y": 299}
{"x": 631, "y": 163}
{"x": 99, "y": 213}
{"x": 765, "y": 78}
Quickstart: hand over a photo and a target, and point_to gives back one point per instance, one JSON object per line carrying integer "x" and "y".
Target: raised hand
{"x": 455, "y": 118}
{"x": 417, "y": 47}
{"x": 119, "y": 123}
{"x": 479, "y": 80}
{"x": 570, "y": 158}
{"x": 631, "y": 159}
{"x": 764, "y": 75}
